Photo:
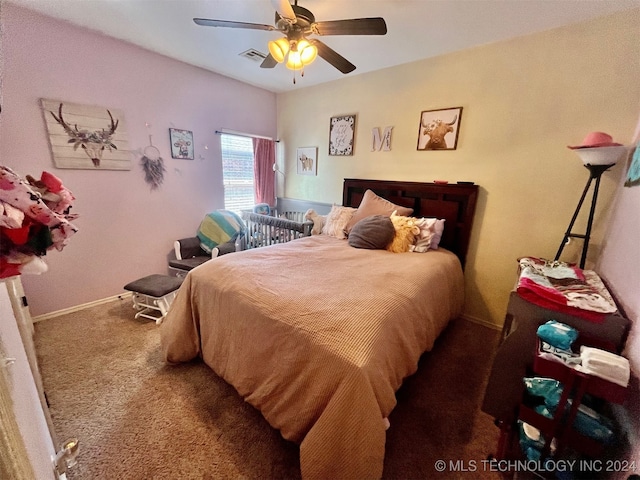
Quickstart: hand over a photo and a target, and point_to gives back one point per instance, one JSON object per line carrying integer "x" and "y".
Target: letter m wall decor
{"x": 381, "y": 142}
{"x": 86, "y": 137}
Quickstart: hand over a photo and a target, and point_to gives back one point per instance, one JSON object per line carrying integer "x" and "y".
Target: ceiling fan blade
{"x": 284, "y": 9}
{"x": 269, "y": 62}
{"x": 354, "y": 26}
{"x": 333, "y": 57}
{"x": 207, "y": 22}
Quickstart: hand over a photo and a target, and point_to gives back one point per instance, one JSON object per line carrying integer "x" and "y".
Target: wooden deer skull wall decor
{"x": 91, "y": 137}
{"x": 92, "y": 142}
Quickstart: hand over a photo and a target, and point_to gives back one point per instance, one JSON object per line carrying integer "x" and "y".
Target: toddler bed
{"x": 319, "y": 335}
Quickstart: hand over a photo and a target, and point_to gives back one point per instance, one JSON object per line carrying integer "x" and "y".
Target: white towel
{"x": 605, "y": 365}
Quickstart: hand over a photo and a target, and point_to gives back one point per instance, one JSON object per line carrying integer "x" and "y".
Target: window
{"x": 237, "y": 172}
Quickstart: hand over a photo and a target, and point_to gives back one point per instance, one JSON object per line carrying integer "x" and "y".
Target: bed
{"x": 319, "y": 335}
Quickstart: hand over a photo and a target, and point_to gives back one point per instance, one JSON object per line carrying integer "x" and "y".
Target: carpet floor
{"x": 137, "y": 418}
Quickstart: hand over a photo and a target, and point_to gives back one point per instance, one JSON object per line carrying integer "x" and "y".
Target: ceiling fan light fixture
{"x": 302, "y": 53}
{"x": 293, "y": 61}
{"x": 296, "y": 22}
{"x": 279, "y": 49}
{"x": 308, "y": 52}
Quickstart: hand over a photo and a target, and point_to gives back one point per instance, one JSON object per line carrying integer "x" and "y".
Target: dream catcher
{"x": 153, "y": 165}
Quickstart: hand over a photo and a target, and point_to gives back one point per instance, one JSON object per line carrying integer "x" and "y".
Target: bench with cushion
{"x": 153, "y": 293}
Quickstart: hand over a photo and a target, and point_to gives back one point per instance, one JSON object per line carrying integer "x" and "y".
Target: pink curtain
{"x": 264, "y": 154}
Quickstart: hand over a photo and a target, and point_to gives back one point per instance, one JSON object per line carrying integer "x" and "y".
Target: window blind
{"x": 237, "y": 172}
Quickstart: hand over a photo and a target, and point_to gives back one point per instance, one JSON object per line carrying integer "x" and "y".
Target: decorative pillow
{"x": 424, "y": 238}
{"x": 436, "y": 225}
{"x": 372, "y": 204}
{"x": 374, "y": 232}
{"x": 337, "y": 221}
{"x": 318, "y": 221}
{"x": 406, "y": 231}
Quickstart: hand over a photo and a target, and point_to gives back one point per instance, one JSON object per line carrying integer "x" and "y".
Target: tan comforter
{"x": 318, "y": 336}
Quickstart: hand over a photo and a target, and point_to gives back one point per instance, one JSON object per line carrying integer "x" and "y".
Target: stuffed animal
{"x": 318, "y": 221}
{"x": 406, "y": 232}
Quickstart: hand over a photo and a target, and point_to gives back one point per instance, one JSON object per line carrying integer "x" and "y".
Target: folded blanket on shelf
{"x": 605, "y": 365}
{"x": 565, "y": 288}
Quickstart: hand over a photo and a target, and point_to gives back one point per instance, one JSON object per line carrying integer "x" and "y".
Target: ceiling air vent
{"x": 253, "y": 54}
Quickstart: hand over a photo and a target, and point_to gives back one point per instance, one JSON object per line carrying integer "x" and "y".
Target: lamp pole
{"x": 595, "y": 173}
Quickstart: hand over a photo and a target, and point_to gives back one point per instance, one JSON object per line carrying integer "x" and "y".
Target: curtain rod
{"x": 242, "y": 134}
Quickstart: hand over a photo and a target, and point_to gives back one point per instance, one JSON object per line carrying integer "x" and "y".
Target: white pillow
{"x": 436, "y": 225}
{"x": 437, "y": 228}
{"x": 423, "y": 239}
{"x": 430, "y": 234}
{"x": 337, "y": 220}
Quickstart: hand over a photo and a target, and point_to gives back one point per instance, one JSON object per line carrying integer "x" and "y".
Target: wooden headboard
{"x": 456, "y": 203}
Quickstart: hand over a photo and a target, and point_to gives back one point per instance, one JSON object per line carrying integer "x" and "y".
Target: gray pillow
{"x": 374, "y": 232}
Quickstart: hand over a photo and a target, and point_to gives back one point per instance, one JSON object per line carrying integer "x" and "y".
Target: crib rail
{"x": 264, "y": 230}
{"x": 290, "y": 215}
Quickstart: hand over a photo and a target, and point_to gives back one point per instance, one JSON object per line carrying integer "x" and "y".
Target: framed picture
{"x": 181, "y": 143}
{"x": 341, "y": 135}
{"x": 307, "y": 160}
{"x": 86, "y": 136}
{"x": 438, "y": 129}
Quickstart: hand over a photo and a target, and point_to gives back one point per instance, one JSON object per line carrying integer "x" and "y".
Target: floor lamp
{"x": 597, "y": 159}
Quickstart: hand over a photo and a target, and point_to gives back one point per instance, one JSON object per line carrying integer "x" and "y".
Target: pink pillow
{"x": 337, "y": 220}
{"x": 372, "y": 204}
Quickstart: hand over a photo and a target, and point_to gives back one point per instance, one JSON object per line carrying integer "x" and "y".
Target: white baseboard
{"x": 124, "y": 295}
{"x": 82, "y": 306}
{"x": 480, "y": 321}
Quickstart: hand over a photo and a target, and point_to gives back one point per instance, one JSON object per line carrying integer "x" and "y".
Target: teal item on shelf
{"x": 588, "y": 422}
{"x": 547, "y": 388}
{"x": 532, "y": 454}
{"x": 593, "y": 425}
{"x": 557, "y": 334}
{"x": 527, "y": 441}
{"x": 544, "y": 411}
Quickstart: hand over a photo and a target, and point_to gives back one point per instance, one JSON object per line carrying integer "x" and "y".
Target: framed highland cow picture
{"x": 181, "y": 143}
{"x": 438, "y": 129}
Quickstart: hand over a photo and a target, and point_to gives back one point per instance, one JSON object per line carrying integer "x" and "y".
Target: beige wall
{"x": 524, "y": 100}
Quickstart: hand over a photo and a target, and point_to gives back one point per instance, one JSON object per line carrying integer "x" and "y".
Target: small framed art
{"x": 307, "y": 160}
{"x": 181, "y": 143}
{"x": 341, "y": 135}
{"x": 438, "y": 129}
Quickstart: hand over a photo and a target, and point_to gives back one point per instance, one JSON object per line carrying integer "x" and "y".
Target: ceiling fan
{"x": 297, "y": 23}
